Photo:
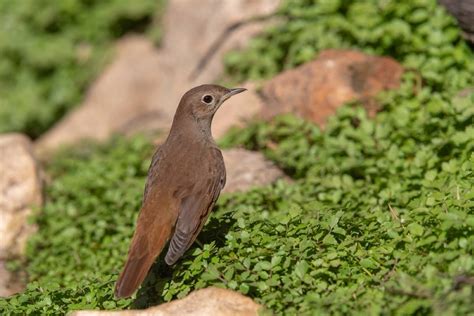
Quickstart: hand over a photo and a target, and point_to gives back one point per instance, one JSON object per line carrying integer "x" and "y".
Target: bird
{"x": 185, "y": 178}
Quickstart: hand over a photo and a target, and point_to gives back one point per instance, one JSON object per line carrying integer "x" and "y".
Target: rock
{"x": 247, "y": 169}
{"x": 189, "y": 33}
{"x": 463, "y": 11}
{"x": 316, "y": 89}
{"x": 10, "y": 283}
{"x": 237, "y": 111}
{"x": 141, "y": 88}
{"x": 124, "y": 94}
{"x": 20, "y": 191}
{"x": 210, "y": 301}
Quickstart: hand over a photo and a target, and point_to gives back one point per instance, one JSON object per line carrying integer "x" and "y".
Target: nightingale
{"x": 184, "y": 180}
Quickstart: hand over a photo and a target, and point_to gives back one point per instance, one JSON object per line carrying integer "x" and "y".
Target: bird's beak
{"x": 232, "y": 93}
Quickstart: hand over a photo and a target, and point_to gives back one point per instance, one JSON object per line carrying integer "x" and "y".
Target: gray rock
{"x": 463, "y": 12}
{"x": 248, "y": 169}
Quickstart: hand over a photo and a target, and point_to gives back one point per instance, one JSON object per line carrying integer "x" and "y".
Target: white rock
{"x": 20, "y": 191}
{"x": 205, "y": 302}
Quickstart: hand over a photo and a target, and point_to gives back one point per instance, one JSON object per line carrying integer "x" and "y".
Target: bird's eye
{"x": 207, "y": 99}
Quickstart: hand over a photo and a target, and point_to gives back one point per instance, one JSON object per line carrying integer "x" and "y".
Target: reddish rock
{"x": 316, "y": 89}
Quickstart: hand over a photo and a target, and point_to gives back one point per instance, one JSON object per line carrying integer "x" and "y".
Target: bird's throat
{"x": 196, "y": 129}
{"x": 204, "y": 127}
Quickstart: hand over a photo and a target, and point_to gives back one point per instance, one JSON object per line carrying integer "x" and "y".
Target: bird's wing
{"x": 154, "y": 228}
{"x": 195, "y": 207}
{"x": 151, "y": 177}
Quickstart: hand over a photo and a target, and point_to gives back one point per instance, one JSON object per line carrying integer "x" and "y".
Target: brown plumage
{"x": 185, "y": 178}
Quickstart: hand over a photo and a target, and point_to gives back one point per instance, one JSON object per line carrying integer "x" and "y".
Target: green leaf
{"x": 329, "y": 240}
{"x": 301, "y": 268}
{"x": 416, "y": 229}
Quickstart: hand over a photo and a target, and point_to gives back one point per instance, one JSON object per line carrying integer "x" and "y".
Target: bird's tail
{"x": 146, "y": 245}
{"x": 132, "y": 276}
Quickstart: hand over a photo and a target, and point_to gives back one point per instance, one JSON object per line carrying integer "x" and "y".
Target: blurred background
{"x": 52, "y": 52}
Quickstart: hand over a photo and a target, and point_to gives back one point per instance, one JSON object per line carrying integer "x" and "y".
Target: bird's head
{"x": 203, "y": 101}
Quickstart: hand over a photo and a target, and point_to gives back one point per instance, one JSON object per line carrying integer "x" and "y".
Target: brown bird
{"x": 184, "y": 180}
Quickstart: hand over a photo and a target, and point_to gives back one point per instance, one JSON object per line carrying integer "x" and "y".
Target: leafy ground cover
{"x": 379, "y": 220}
{"x": 51, "y": 51}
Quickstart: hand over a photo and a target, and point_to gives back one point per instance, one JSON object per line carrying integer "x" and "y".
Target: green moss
{"x": 51, "y": 51}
